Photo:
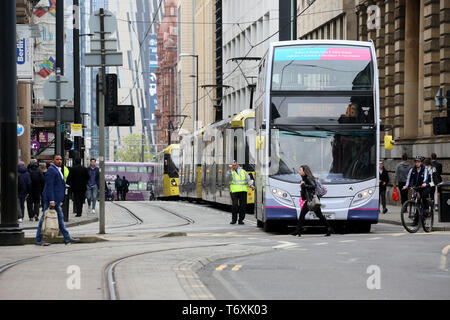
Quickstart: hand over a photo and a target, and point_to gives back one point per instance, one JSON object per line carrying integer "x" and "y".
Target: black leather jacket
{"x": 309, "y": 188}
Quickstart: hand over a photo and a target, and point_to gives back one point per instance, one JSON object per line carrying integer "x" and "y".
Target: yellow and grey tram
{"x": 167, "y": 173}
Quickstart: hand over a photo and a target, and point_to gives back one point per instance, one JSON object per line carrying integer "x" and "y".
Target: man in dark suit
{"x": 53, "y": 196}
{"x": 384, "y": 180}
{"x": 77, "y": 180}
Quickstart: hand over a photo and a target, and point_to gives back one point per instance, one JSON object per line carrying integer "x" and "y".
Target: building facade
{"x": 413, "y": 51}
{"x": 322, "y": 19}
{"x": 166, "y": 75}
{"x": 248, "y": 28}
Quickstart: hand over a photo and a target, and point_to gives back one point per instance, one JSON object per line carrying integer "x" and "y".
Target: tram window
{"x": 111, "y": 169}
{"x": 235, "y": 149}
{"x": 121, "y": 169}
{"x": 150, "y": 169}
{"x": 142, "y": 169}
{"x": 132, "y": 169}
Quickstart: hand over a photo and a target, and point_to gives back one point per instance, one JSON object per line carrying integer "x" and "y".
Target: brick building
{"x": 167, "y": 73}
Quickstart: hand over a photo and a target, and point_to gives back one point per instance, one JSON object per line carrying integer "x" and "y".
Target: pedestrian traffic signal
{"x": 125, "y": 116}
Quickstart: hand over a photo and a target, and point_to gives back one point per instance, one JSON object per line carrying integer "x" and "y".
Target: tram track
{"x": 110, "y": 281}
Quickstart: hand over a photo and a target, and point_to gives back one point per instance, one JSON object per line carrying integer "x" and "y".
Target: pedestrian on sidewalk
{"x": 401, "y": 174}
{"x": 93, "y": 185}
{"x": 37, "y": 186}
{"x": 308, "y": 190}
{"x": 125, "y": 186}
{"x": 438, "y": 167}
{"x": 24, "y": 188}
{"x": 78, "y": 179}
{"x": 239, "y": 180}
{"x": 118, "y": 185}
{"x": 384, "y": 180}
{"x": 53, "y": 196}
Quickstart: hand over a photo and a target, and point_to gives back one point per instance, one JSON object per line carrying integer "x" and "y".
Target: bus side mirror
{"x": 388, "y": 143}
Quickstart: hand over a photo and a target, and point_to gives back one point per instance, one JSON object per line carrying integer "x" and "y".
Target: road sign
{"x": 50, "y": 89}
{"x": 110, "y": 45}
{"x": 76, "y": 129}
{"x": 67, "y": 114}
{"x": 95, "y": 59}
{"x": 20, "y": 130}
{"x": 35, "y": 146}
{"x": 110, "y": 23}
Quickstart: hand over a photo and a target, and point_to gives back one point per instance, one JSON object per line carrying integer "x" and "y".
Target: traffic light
{"x": 115, "y": 115}
{"x": 67, "y": 144}
{"x": 111, "y": 115}
{"x": 125, "y": 116}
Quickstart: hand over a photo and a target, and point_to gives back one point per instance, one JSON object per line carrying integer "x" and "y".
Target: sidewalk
{"x": 73, "y": 220}
{"x": 393, "y": 217}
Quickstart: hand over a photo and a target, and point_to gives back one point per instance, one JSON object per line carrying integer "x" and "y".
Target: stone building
{"x": 324, "y": 19}
{"x": 412, "y": 39}
{"x": 166, "y": 73}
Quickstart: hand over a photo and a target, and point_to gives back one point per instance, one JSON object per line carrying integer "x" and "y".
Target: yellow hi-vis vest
{"x": 239, "y": 183}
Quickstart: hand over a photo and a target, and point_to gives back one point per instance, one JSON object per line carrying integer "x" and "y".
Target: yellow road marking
{"x": 236, "y": 267}
{"x": 220, "y": 268}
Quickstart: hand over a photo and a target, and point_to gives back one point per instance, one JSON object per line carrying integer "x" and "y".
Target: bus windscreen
{"x": 322, "y": 67}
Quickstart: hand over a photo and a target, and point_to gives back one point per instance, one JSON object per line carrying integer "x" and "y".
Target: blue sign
{"x": 20, "y": 130}
{"x": 20, "y": 53}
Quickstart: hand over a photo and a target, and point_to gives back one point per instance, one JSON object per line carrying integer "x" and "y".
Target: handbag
{"x": 395, "y": 195}
{"x": 50, "y": 225}
{"x": 314, "y": 203}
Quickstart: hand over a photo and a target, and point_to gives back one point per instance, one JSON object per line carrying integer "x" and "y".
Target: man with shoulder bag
{"x": 53, "y": 196}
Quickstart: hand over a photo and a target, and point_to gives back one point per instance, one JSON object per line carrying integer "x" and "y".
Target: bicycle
{"x": 412, "y": 213}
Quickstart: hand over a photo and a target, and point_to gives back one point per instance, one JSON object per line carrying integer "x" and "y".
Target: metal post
{"x": 101, "y": 123}
{"x": 76, "y": 64}
{"x": 58, "y": 149}
{"x": 10, "y": 231}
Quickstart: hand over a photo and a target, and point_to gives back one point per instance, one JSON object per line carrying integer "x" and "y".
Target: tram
{"x": 206, "y": 154}
{"x": 167, "y": 173}
{"x": 317, "y": 103}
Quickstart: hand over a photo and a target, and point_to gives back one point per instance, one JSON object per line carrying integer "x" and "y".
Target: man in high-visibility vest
{"x": 239, "y": 180}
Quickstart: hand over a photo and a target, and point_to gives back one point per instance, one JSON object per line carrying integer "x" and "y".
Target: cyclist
{"x": 419, "y": 177}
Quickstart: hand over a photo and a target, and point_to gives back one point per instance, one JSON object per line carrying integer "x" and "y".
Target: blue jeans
{"x": 91, "y": 195}
{"x": 62, "y": 226}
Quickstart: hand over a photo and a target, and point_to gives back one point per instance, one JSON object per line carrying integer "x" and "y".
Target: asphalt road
{"x": 210, "y": 259}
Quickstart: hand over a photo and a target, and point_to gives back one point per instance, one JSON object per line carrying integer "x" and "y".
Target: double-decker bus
{"x": 140, "y": 175}
{"x": 317, "y": 104}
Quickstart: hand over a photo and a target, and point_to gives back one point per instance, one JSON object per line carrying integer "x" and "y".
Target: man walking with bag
{"x": 53, "y": 196}
{"x": 239, "y": 180}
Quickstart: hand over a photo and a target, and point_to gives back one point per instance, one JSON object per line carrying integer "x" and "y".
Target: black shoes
{"x": 385, "y": 210}
{"x": 233, "y": 222}
{"x": 241, "y": 222}
{"x": 72, "y": 240}
{"x": 329, "y": 232}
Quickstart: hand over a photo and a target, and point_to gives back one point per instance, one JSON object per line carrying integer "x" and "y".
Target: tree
{"x": 131, "y": 149}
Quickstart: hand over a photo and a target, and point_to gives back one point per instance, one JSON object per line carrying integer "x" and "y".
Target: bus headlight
{"x": 282, "y": 196}
{"x": 362, "y": 197}
{"x": 173, "y": 182}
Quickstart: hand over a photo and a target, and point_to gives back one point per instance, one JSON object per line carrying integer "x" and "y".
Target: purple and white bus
{"x": 140, "y": 175}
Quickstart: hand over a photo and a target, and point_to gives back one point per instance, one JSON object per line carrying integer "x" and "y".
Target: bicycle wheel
{"x": 427, "y": 220}
{"x": 410, "y": 216}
